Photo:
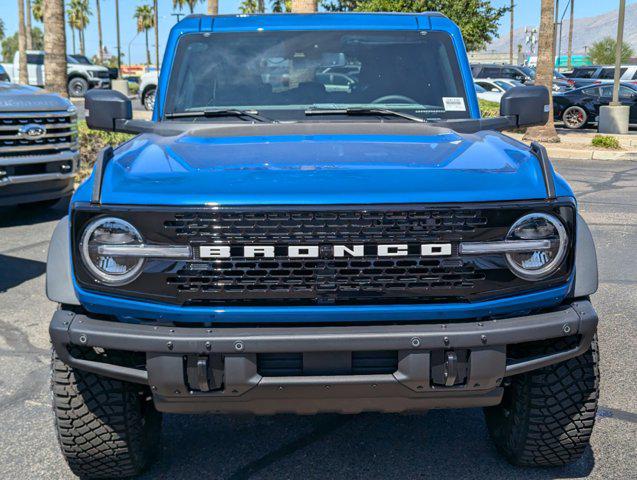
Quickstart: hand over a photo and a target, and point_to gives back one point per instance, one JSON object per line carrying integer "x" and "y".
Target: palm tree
{"x": 156, "y": 22}
{"x": 511, "y": 34}
{"x": 28, "y": 17}
{"x": 191, "y": 4}
{"x": 570, "y": 37}
{"x": 54, "y": 47}
{"x": 72, "y": 20}
{"x": 213, "y": 7}
{"x": 38, "y": 10}
{"x": 80, "y": 11}
{"x": 281, "y": 6}
{"x": 145, "y": 21}
{"x": 304, "y": 6}
{"x": 23, "y": 76}
{"x": 99, "y": 30}
{"x": 544, "y": 72}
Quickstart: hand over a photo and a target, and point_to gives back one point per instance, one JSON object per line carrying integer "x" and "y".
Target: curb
{"x": 590, "y": 154}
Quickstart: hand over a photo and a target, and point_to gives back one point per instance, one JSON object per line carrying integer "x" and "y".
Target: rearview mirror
{"x": 105, "y": 107}
{"x": 529, "y": 105}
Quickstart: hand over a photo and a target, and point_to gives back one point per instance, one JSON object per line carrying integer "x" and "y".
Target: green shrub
{"x": 606, "y": 141}
{"x": 489, "y": 109}
{"x": 133, "y": 88}
{"x": 91, "y": 142}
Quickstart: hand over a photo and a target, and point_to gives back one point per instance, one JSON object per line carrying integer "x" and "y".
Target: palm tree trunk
{"x": 544, "y": 72}
{"x": 73, "y": 39}
{"x": 570, "y": 37}
{"x": 100, "y": 54}
{"x": 55, "y": 47}
{"x": 304, "y": 6}
{"x": 213, "y": 7}
{"x": 23, "y": 75}
{"x": 260, "y": 6}
{"x": 147, "y": 49}
{"x": 82, "y": 50}
{"x": 511, "y": 34}
{"x": 29, "y": 37}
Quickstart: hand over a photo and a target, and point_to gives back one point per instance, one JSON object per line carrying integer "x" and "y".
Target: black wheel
{"x": 546, "y": 416}
{"x": 574, "y": 117}
{"x": 77, "y": 87}
{"x": 106, "y": 428}
{"x": 149, "y": 99}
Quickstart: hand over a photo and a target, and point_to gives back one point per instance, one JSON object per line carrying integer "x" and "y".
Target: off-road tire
{"x": 148, "y": 100}
{"x": 546, "y": 416}
{"x": 77, "y": 87}
{"x": 106, "y": 428}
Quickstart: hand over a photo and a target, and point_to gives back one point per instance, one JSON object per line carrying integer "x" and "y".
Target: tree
{"x": 156, "y": 23}
{"x": 213, "y": 7}
{"x": 477, "y": 19}
{"x": 28, "y": 25}
{"x": 145, "y": 21}
{"x": 72, "y": 20}
{"x": 55, "y": 47}
{"x": 304, "y": 6}
{"x": 98, "y": 12}
{"x": 603, "y": 51}
{"x": 191, "y": 4}
{"x": 544, "y": 72}
{"x": 340, "y": 6}
{"x": 79, "y": 12}
{"x": 511, "y": 32}
{"x": 10, "y": 44}
{"x": 2, "y": 33}
{"x": 281, "y": 6}
{"x": 23, "y": 76}
{"x": 569, "y": 64}
{"x": 37, "y": 8}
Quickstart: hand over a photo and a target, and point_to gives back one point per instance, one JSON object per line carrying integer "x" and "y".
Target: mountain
{"x": 586, "y": 31}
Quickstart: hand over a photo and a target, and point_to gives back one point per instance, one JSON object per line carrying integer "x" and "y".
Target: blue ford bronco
{"x": 317, "y": 219}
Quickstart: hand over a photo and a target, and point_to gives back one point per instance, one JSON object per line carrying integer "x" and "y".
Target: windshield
{"x": 479, "y": 88}
{"x": 81, "y": 59}
{"x": 283, "y": 74}
{"x": 503, "y": 85}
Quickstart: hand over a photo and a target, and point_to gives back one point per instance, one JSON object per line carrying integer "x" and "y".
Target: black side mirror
{"x": 105, "y": 107}
{"x": 528, "y": 105}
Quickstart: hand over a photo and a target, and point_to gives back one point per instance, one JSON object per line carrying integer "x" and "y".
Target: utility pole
{"x": 555, "y": 32}
{"x": 511, "y": 36}
{"x": 156, "y": 34}
{"x": 569, "y": 65}
{"x": 119, "y": 47}
{"x": 613, "y": 118}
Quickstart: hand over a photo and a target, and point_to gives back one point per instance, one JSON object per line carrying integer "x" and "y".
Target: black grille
{"x": 325, "y": 280}
{"x": 360, "y": 363}
{"x": 323, "y": 226}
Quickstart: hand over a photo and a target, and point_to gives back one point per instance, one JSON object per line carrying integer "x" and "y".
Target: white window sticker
{"x": 454, "y": 104}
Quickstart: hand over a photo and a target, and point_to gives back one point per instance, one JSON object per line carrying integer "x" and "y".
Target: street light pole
{"x": 119, "y": 48}
{"x": 129, "y": 44}
{"x": 614, "y": 118}
{"x": 156, "y": 35}
{"x": 618, "y": 52}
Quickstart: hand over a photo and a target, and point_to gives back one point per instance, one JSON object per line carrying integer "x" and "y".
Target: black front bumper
{"x": 216, "y": 369}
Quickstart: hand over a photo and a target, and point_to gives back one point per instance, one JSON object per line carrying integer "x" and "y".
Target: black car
{"x": 514, "y": 72}
{"x": 576, "y": 108}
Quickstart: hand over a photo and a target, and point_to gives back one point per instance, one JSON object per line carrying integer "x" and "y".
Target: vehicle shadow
{"x": 440, "y": 444}
{"x": 30, "y": 215}
{"x": 15, "y": 271}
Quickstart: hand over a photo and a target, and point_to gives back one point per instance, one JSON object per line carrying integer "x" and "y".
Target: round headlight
{"x": 113, "y": 270}
{"x": 538, "y": 264}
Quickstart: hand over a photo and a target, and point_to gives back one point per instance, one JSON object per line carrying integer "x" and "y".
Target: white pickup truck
{"x": 82, "y": 74}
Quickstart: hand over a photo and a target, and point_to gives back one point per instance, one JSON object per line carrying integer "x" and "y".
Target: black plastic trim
{"x": 105, "y": 155}
{"x": 547, "y": 170}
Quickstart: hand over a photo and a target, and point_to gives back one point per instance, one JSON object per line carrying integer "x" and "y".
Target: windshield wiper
{"x": 362, "y": 111}
{"x": 227, "y": 112}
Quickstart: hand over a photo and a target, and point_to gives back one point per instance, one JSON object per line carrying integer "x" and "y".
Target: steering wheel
{"x": 401, "y": 98}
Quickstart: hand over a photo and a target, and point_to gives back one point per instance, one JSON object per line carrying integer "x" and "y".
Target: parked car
{"x": 491, "y": 95}
{"x": 297, "y": 250}
{"x": 497, "y": 85}
{"x": 84, "y": 60}
{"x": 582, "y": 76}
{"x": 514, "y": 72}
{"x": 577, "y": 108}
{"x": 81, "y": 77}
{"x": 38, "y": 146}
{"x": 4, "y": 76}
{"x": 147, "y": 89}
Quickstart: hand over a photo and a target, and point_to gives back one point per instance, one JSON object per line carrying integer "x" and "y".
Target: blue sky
{"x": 527, "y": 13}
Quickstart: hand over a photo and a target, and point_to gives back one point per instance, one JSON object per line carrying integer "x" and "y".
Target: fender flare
{"x": 59, "y": 278}
{"x": 586, "y": 274}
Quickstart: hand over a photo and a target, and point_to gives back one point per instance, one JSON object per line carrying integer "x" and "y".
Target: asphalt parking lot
{"x": 440, "y": 444}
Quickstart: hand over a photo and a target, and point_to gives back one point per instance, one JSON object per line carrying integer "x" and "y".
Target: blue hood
{"x": 407, "y": 165}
